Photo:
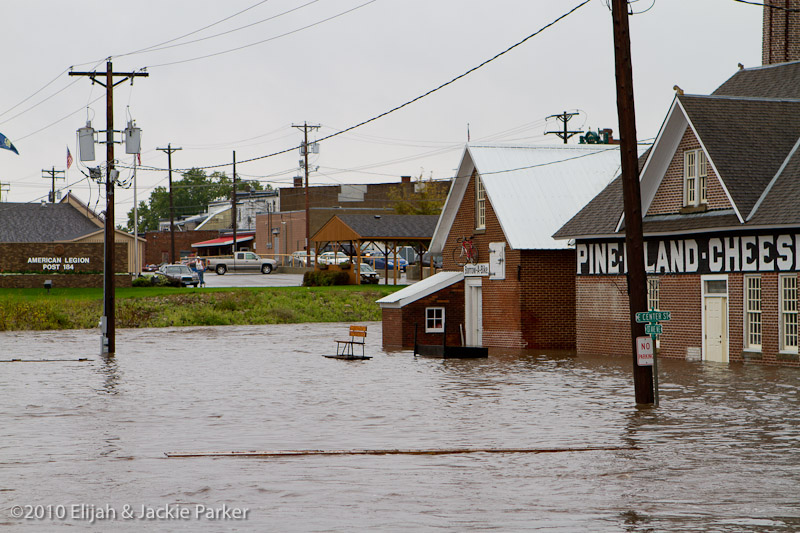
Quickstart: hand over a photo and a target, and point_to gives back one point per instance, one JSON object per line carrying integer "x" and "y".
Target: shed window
{"x": 434, "y": 320}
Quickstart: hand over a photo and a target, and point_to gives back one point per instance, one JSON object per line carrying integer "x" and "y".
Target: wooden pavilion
{"x": 384, "y": 232}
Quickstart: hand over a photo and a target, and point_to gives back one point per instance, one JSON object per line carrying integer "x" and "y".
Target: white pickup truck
{"x": 241, "y": 262}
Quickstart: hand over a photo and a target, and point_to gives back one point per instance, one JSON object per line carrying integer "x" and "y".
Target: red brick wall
{"x": 776, "y": 48}
{"x": 548, "y": 299}
{"x": 602, "y": 321}
{"x": 159, "y": 243}
{"x": 603, "y": 325}
{"x": 669, "y": 197}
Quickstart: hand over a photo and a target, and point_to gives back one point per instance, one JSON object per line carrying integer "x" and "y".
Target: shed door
{"x": 473, "y": 312}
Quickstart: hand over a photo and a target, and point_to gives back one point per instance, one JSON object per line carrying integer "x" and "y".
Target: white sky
{"x": 339, "y": 73}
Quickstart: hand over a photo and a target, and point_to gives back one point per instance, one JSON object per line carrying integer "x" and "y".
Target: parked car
{"x": 303, "y": 257}
{"x": 332, "y": 258}
{"x": 437, "y": 260}
{"x": 181, "y": 274}
{"x": 368, "y": 274}
{"x": 380, "y": 263}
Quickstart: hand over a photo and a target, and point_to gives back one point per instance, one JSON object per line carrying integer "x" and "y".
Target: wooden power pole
{"x": 637, "y": 277}
{"x": 565, "y": 134}
{"x": 108, "y": 323}
{"x": 305, "y": 150}
{"x": 53, "y": 175}
{"x": 168, "y": 150}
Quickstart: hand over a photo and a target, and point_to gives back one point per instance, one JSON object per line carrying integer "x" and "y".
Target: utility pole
{"x": 566, "y": 133}
{"x": 168, "y": 150}
{"x": 304, "y": 149}
{"x": 53, "y": 175}
{"x": 233, "y": 209}
{"x": 637, "y": 277}
{"x": 108, "y": 323}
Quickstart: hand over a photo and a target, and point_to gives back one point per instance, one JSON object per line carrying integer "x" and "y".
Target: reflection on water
{"x": 720, "y": 454}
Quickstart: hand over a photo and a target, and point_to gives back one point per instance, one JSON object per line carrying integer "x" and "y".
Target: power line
{"x": 159, "y": 48}
{"x": 781, "y": 8}
{"x": 263, "y": 40}
{"x": 401, "y": 106}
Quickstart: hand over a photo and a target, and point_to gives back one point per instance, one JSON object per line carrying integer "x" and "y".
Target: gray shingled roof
{"x": 770, "y": 81}
{"x": 781, "y": 205}
{"x": 747, "y": 139}
{"x": 392, "y": 227}
{"x": 28, "y": 222}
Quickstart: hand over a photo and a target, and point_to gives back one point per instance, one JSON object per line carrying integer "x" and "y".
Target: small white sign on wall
{"x": 479, "y": 269}
{"x": 497, "y": 260}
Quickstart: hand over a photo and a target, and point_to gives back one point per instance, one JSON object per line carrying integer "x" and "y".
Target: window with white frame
{"x": 653, "y": 300}
{"x": 752, "y": 308}
{"x": 434, "y": 320}
{"x": 695, "y": 178}
{"x": 789, "y": 313}
{"x": 480, "y": 204}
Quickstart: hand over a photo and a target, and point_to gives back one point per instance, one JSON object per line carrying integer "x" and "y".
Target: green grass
{"x": 144, "y": 307}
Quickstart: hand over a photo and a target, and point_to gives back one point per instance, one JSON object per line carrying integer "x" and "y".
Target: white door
{"x": 716, "y": 333}
{"x": 473, "y": 312}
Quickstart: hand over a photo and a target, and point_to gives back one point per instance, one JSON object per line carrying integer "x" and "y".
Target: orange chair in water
{"x": 358, "y": 336}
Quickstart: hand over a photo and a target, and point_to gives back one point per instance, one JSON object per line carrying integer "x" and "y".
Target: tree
{"x": 427, "y": 197}
{"x": 190, "y": 196}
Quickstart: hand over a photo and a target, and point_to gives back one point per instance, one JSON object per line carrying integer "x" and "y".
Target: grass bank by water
{"x": 153, "y": 307}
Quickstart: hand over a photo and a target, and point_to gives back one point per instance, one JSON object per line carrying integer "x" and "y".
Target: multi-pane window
{"x": 695, "y": 178}
{"x": 653, "y": 294}
{"x": 653, "y": 300}
{"x": 789, "y": 313}
{"x": 752, "y": 303}
{"x": 480, "y": 204}
{"x": 434, "y": 319}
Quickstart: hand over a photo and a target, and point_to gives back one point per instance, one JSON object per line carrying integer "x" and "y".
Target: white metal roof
{"x": 534, "y": 190}
{"x": 420, "y": 289}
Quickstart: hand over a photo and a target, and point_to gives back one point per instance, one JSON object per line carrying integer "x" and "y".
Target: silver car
{"x": 182, "y": 274}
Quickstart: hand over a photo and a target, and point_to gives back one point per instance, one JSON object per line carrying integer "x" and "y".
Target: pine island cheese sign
{"x": 766, "y": 252}
{"x": 56, "y": 264}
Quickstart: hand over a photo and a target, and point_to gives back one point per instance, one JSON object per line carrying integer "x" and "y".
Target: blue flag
{"x": 5, "y": 143}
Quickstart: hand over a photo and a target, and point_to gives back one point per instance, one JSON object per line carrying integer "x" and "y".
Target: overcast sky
{"x": 338, "y": 73}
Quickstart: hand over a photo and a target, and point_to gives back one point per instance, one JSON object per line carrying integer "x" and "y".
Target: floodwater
{"x": 722, "y": 453}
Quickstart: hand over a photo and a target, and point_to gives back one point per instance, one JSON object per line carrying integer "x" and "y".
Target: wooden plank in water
{"x": 431, "y": 451}
{"x": 82, "y": 359}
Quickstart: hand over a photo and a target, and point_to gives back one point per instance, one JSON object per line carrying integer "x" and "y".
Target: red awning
{"x": 223, "y": 241}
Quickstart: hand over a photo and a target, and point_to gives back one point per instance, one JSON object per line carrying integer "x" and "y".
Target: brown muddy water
{"x": 81, "y": 443}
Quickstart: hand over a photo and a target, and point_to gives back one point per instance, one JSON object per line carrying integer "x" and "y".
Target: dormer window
{"x": 480, "y": 204}
{"x": 695, "y": 174}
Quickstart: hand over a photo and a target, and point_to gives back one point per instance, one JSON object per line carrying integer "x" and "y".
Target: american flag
{"x": 69, "y": 158}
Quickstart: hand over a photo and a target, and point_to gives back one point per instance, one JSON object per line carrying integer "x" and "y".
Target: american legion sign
{"x": 65, "y": 264}
{"x": 747, "y": 252}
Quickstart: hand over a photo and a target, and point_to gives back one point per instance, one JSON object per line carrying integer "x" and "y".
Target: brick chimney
{"x": 781, "y": 32}
{"x": 405, "y": 179}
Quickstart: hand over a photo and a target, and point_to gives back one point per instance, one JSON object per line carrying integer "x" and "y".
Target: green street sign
{"x": 652, "y": 316}
{"x": 652, "y": 329}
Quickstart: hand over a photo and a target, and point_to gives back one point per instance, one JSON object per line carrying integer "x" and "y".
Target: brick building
{"x": 284, "y": 232}
{"x": 720, "y": 190}
{"x": 521, "y": 292}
